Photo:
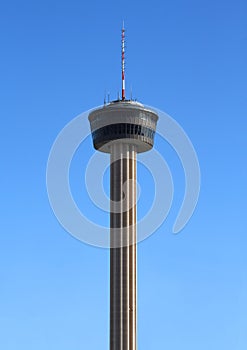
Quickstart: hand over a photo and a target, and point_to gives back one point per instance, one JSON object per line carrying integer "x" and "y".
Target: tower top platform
{"x": 123, "y": 121}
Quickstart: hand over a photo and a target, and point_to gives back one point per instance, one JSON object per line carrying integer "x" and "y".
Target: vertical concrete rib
{"x": 123, "y": 258}
{"x": 132, "y": 253}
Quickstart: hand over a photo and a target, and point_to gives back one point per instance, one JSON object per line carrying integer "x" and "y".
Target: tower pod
{"x": 123, "y": 121}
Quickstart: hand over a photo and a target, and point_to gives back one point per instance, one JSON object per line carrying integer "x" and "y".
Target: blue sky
{"x": 187, "y": 58}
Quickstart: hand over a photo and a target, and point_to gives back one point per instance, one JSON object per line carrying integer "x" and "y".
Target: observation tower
{"x": 123, "y": 128}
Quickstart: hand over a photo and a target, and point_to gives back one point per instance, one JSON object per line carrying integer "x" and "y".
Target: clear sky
{"x": 185, "y": 57}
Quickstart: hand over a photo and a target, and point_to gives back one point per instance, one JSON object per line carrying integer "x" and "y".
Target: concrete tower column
{"x": 123, "y": 257}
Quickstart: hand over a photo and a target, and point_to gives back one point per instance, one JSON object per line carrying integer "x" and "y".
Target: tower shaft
{"x": 123, "y": 259}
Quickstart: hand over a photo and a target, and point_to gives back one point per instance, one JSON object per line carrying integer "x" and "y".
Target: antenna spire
{"x": 123, "y": 63}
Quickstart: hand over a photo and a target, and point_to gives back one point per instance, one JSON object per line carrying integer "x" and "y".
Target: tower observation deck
{"x": 123, "y": 128}
{"x": 127, "y": 122}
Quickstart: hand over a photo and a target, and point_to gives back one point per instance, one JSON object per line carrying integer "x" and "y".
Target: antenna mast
{"x": 123, "y": 63}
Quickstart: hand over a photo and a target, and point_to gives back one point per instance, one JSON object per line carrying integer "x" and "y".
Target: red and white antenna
{"x": 123, "y": 63}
